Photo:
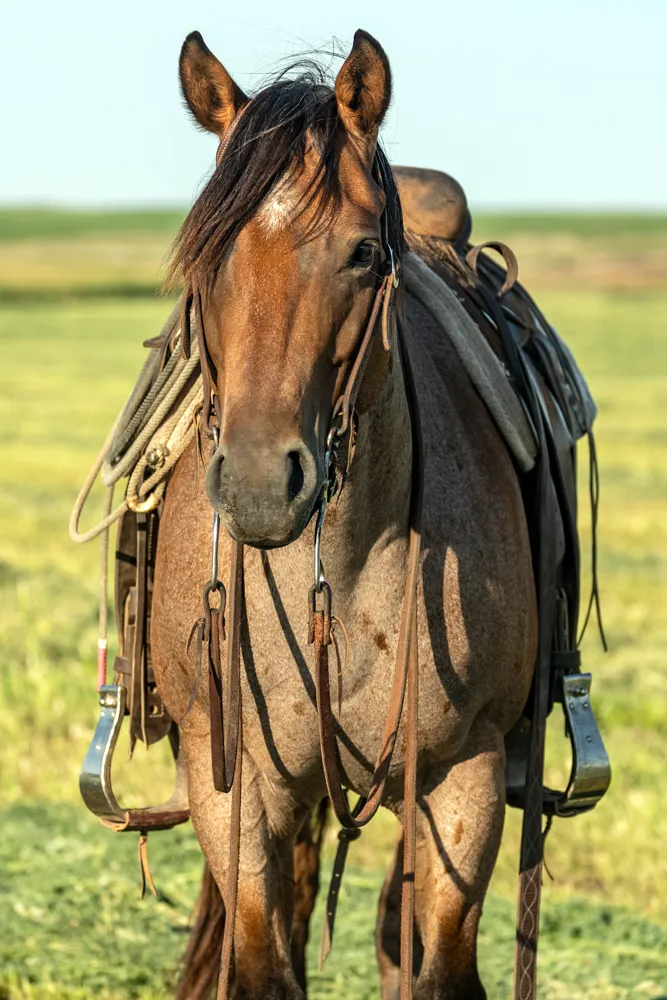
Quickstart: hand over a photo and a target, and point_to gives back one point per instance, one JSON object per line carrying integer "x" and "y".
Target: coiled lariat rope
{"x": 148, "y": 437}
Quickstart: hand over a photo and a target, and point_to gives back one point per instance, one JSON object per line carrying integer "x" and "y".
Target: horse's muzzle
{"x": 265, "y": 494}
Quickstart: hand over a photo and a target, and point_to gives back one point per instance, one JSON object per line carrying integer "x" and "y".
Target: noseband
{"x": 220, "y": 609}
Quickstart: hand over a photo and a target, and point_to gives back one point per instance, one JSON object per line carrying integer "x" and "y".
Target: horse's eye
{"x": 364, "y": 255}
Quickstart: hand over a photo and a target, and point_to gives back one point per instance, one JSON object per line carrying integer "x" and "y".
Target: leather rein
{"x": 222, "y": 611}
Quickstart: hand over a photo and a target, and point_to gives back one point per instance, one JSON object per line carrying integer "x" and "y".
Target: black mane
{"x": 269, "y": 140}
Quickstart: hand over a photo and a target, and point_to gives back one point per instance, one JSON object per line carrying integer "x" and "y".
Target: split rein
{"x": 221, "y": 619}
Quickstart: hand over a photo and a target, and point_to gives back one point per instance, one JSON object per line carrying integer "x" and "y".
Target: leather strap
{"x": 345, "y": 838}
{"x": 191, "y": 302}
{"x": 328, "y": 742}
{"x": 409, "y": 823}
{"x": 320, "y": 637}
{"x": 405, "y": 675}
{"x": 232, "y": 871}
{"x": 531, "y": 858}
{"x": 346, "y": 404}
{"x": 138, "y": 680}
{"x": 146, "y": 877}
{"x": 225, "y": 710}
{"x": 226, "y": 726}
{"x": 412, "y": 726}
{"x": 187, "y": 300}
{"x": 507, "y": 255}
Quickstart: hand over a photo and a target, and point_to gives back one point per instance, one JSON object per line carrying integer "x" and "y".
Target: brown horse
{"x": 287, "y": 240}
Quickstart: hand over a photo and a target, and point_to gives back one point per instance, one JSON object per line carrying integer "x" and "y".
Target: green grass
{"x": 77, "y": 928}
{"x": 65, "y": 368}
{"x": 587, "y": 225}
{"x": 51, "y": 254}
{"x": 55, "y": 223}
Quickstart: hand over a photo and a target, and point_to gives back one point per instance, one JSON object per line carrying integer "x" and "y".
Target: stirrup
{"x": 591, "y": 771}
{"x": 95, "y": 778}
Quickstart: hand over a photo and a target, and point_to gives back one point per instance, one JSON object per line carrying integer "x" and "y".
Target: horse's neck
{"x": 374, "y": 505}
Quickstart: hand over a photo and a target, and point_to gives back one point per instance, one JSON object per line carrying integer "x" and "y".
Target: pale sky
{"x": 529, "y": 104}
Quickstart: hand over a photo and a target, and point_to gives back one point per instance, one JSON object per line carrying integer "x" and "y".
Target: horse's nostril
{"x": 296, "y": 478}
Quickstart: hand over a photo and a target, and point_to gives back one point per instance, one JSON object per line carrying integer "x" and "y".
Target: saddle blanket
{"x": 485, "y": 370}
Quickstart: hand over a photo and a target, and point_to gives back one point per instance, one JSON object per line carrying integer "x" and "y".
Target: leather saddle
{"x": 561, "y": 411}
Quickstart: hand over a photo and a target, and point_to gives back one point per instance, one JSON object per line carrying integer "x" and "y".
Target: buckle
{"x": 325, "y": 590}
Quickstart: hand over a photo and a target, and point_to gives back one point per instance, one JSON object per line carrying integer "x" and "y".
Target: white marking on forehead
{"x": 280, "y": 206}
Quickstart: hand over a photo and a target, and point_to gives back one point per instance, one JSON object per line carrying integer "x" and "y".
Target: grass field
{"x": 77, "y": 297}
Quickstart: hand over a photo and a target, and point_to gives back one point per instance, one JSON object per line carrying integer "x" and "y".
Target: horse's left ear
{"x": 363, "y": 89}
{"x": 209, "y": 91}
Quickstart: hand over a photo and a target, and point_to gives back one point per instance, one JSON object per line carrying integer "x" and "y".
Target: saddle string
{"x": 341, "y": 665}
{"x": 531, "y": 854}
{"x": 532, "y": 844}
{"x": 146, "y": 876}
{"x": 594, "y": 495}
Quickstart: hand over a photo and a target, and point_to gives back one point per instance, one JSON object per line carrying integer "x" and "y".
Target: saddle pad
{"x": 486, "y": 372}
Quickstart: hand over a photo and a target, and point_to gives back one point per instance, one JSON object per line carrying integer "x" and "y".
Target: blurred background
{"x": 552, "y": 118}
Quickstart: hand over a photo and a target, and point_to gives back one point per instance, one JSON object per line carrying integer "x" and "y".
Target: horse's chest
{"x": 280, "y": 711}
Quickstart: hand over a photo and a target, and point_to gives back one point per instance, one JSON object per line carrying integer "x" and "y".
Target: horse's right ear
{"x": 208, "y": 89}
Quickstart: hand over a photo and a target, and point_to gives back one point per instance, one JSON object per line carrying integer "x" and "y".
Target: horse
{"x": 287, "y": 241}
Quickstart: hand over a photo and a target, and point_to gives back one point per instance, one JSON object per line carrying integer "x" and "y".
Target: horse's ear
{"x": 209, "y": 91}
{"x": 363, "y": 89}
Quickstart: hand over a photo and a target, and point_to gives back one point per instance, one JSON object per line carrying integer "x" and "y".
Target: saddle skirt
{"x": 565, "y": 393}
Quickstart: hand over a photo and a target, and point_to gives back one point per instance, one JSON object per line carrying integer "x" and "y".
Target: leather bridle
{"x": 220, "y": 609}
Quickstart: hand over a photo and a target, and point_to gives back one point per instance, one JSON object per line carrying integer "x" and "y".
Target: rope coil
{"x": 147, "y": 438}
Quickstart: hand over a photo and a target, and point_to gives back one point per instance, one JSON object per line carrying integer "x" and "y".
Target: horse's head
{"x": 287, "y": 245}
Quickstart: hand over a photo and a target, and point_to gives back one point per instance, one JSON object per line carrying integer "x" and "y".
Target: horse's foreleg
{"x": 307, "y": 849}
{"x": 460, "y": 826}
{"x": 262, "y": 965}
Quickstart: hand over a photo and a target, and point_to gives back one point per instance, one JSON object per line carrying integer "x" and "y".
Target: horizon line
{"x": 482, "y": 208}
